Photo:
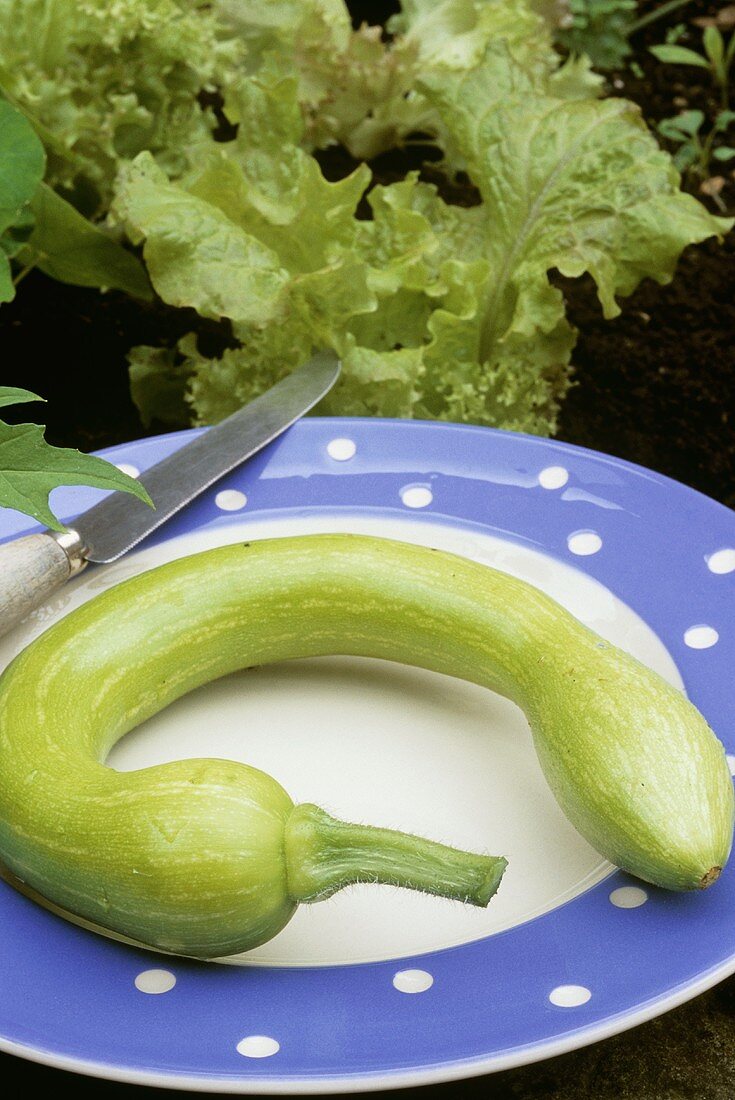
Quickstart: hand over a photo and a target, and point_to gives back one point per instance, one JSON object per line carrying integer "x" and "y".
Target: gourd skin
{"x": 204, "y": 857}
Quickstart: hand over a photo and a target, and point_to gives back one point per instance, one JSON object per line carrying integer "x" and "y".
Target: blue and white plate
{"x": 378, "y": 987}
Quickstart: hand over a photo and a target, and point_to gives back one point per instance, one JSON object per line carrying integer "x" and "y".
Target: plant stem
{"x": 324, "y": 854}
{"x": 17, "y": 279}
{"x": 657, "y": 13}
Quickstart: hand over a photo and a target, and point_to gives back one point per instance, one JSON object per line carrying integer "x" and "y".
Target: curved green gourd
{"x": 208, "y": 857}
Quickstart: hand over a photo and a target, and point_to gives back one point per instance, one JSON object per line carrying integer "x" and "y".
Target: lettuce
{"x": 356, "y": 88}
{"x": 102, "y": 80}
{"x": 436, "y": 310}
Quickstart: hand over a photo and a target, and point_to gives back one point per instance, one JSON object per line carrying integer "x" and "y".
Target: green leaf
{"x": 21, "y": 164}
{"x": 11, "y": 395}
{"x": 679, "y": 55}
{"x": 196, "y": 255}
{"x": 724, "y": 119}
{"x": 158, "y": 382}
{"x": 687, "y": 123}
{"x": 71, "y": 249}
{"x": 686, "y": 155}
{"x": 723, "y": 152}
{"x": 714, "y": 46}
{"x": 30, "y": 468}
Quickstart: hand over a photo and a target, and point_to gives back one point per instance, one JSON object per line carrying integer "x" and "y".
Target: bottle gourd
{"x": 210, "y": 857}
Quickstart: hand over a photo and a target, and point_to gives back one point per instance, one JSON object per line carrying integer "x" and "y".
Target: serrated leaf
{"x": 12, "y": 395}
{"x": 71, "y": 249}
{"x": 30, "y": 468}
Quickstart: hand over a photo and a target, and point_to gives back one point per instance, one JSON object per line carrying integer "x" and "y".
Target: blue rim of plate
{"x": 68, "y": 998}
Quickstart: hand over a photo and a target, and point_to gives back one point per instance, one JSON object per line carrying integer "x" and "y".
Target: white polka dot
{"x": 584, "y": 543}
{"x": 413, "y": 981}
{"x": 127, "y": 468}
{"x": 701, "y": 637}
{"x": 258, "y": 1046}
{"x": 416, "y": 496}
{"x": 230, "y": 500}
{"x": 722, "y": 561}
{"x": 155, "y": 981}
{"x": 569, "y": 996}
{"x": 341, "y": 449}
{"x": 628, "y": 897}
{"x": 553, "y": 477}
{"x": 730, "y": 762}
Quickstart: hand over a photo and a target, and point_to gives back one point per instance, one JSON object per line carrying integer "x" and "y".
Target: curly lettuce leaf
{"x": 102, "y": 81}
{"x": 435, "y": 310}
{"x": 22, "y": 163}
{"x": 360, "y": 89}
{"x": 30, "y": 468}
{"x": 197, "y": 256}
{"x": 580, "y": 186}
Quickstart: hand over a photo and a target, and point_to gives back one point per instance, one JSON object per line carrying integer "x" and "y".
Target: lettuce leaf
{"x": 436, "y": 310}
{"x": 101, "y": 81}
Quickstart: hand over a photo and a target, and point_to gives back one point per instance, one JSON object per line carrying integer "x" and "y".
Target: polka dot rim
{"x": 416, "y": 496}
{"x": 341, "y": 450}
{"x": 413, "y": 981}
{"x": 155, "y": 981}
{"x": 628, "y": 897}
{"x": 584, "y": 543}
{"x": 570, "y": 996}
{"x": 128, "y": 468}
{"x": 230, "y": 500}
{"x": 722, "y": 561}
{"x": 701, "y": 636}
{"x": 258, "y": 1046}
{"x": 553, "y": 477}
{"x": 646, "y": 965}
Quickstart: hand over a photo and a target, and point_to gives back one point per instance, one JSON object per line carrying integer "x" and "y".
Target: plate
{"x": 377, "y": 987}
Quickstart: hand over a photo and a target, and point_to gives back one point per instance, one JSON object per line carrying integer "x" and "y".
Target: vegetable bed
{"x": 653, "y": 385}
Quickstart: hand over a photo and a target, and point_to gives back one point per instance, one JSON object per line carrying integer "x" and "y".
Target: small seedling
{"x": 700, "y": 144}
{"x": 717, "y": 57}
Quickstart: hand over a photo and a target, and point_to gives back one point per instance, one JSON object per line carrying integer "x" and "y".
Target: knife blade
{"x": 33, "y": 567}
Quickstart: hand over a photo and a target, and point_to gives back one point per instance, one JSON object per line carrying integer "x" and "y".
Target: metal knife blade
{"x": 33, "y": 567}
{"x": 121, "y": 521}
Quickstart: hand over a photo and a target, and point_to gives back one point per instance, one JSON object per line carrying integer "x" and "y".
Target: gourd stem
{"x": 324, "y": 854}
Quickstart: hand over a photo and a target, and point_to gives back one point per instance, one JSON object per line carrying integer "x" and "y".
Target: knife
{"x": 33, "y": 567}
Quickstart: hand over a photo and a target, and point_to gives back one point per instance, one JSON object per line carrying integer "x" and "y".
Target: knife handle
{"x": 32, "y": 568}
